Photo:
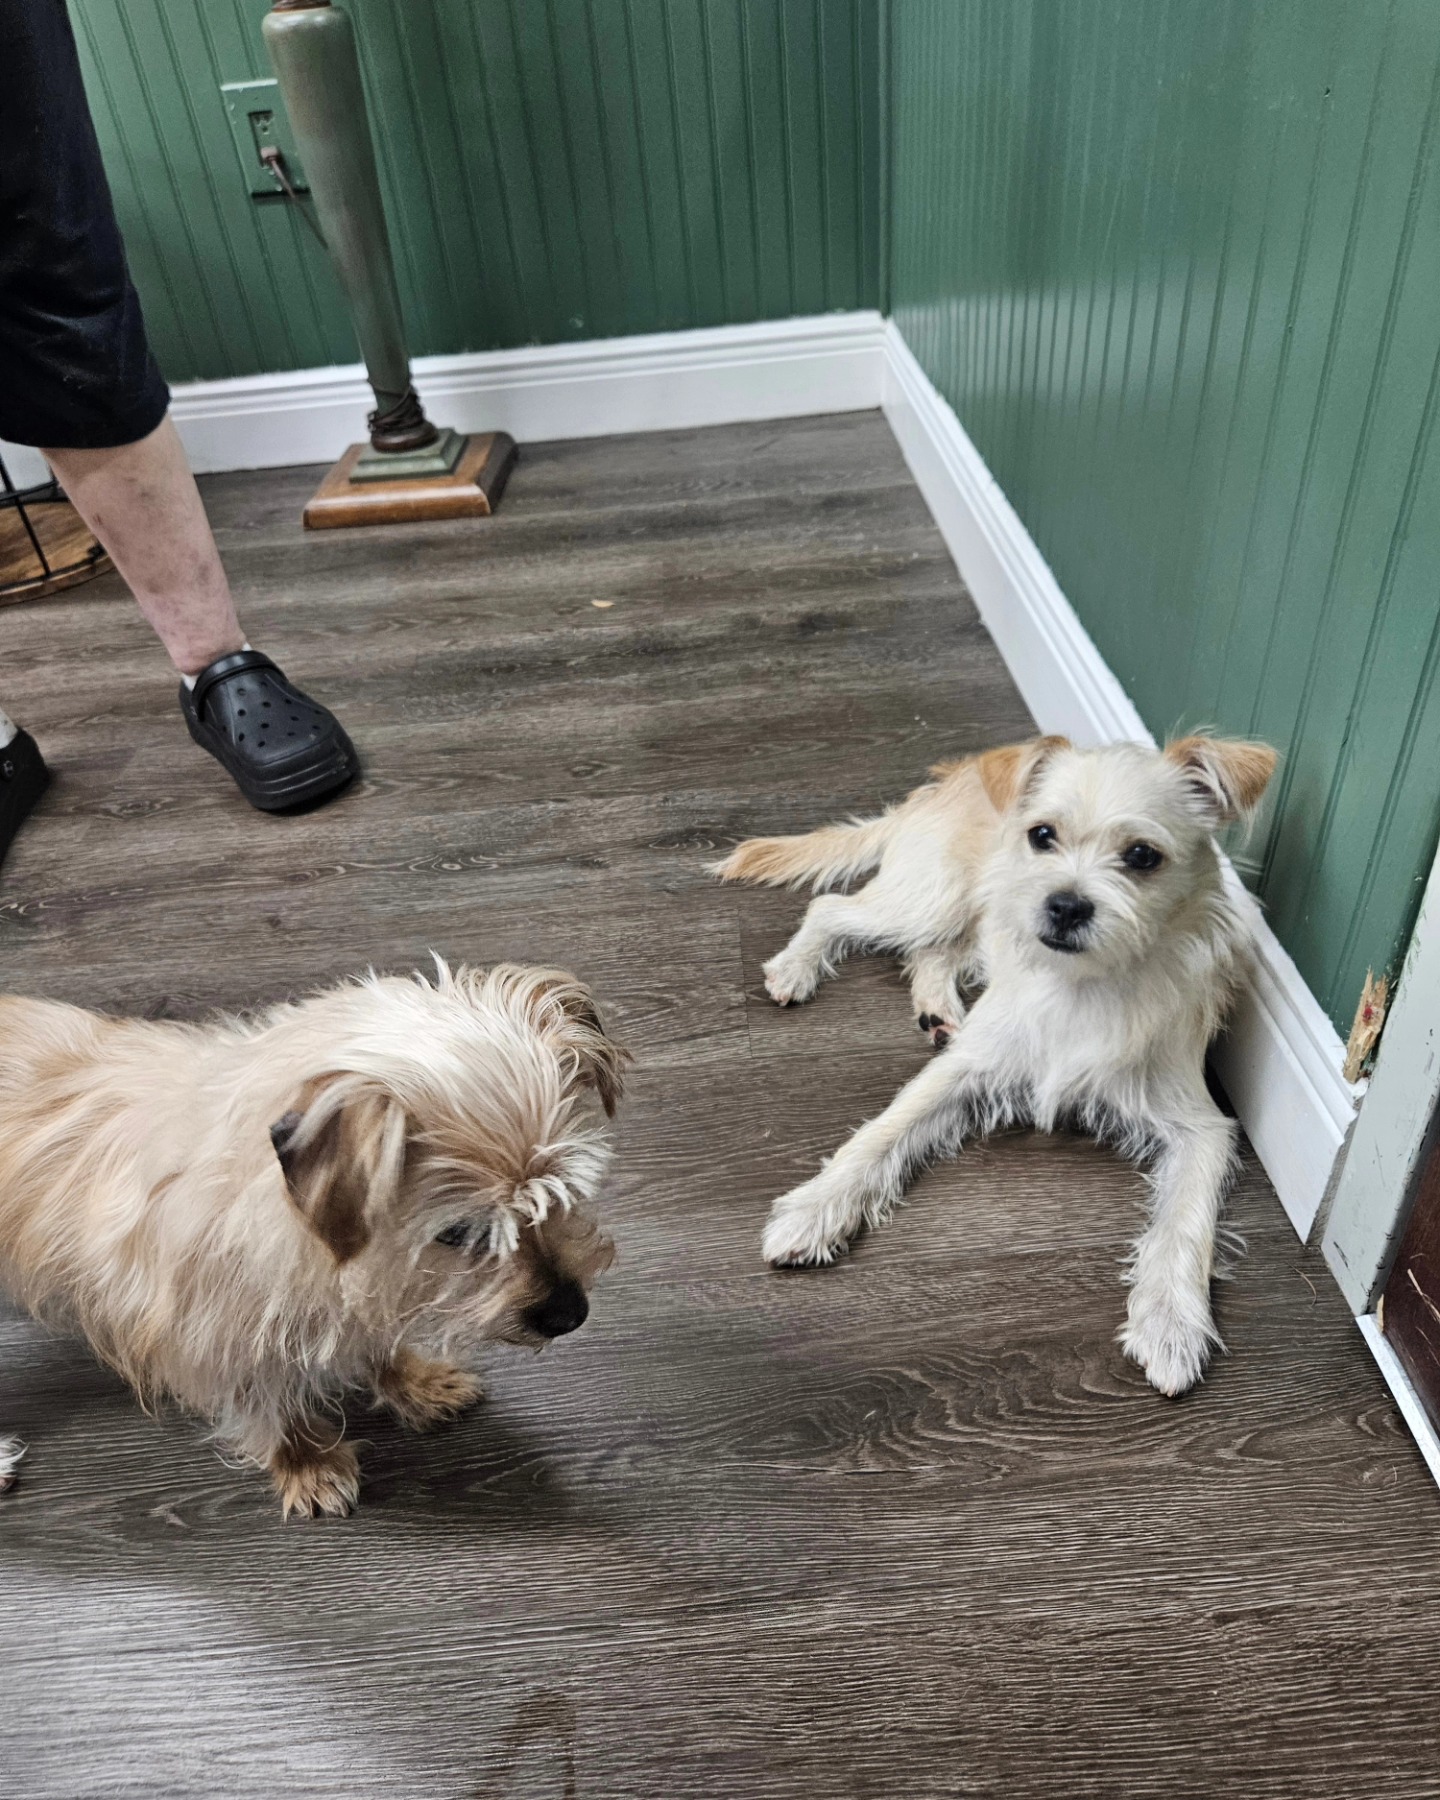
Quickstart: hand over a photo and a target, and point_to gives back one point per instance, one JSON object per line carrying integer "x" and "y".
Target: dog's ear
{"x": 342, "y": 1154}
{"x": 564, "y": 1011}
{"x": 1006, "y": 773}
{"x": 1226, "y": 776}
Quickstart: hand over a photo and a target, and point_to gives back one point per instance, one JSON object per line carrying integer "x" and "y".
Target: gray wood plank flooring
{"x": 907, "y": 1527}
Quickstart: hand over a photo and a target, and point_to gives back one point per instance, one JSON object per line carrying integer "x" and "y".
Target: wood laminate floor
{"x": 908, "y": 1527}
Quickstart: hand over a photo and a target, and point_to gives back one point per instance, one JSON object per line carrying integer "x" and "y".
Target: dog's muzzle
{"x": 1066, "y": 916}
{"x": 563, "y": 1309}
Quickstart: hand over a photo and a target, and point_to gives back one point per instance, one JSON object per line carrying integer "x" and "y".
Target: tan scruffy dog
{"x": 1084, "y": 890}
{"x": 353, "y": 1192}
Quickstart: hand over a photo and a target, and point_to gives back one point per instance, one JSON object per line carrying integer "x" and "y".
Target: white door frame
{"x": 1393, "y": 1131}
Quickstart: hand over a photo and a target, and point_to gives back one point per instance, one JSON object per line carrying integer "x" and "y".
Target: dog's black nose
{"x": 563, "y": 1309}
{"x": 1067, "y": 912}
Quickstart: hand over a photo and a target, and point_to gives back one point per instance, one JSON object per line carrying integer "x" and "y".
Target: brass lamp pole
{"x": 410, "y": 469}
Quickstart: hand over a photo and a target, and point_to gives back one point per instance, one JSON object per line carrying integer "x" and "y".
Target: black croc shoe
{"x": 282, "y": 749}
{"x": 23, "y": 779}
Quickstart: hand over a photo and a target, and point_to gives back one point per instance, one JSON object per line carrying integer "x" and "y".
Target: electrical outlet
{"x": 258, "y": 120}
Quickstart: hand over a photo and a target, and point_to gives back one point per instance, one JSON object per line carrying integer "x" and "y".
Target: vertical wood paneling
{"x": 1176, "y": 267}
{"x": 552, "y": 169}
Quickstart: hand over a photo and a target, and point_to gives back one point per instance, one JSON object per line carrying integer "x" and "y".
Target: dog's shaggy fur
{"x": 357, "y": 1191}
{"x": 1083, "y": 890}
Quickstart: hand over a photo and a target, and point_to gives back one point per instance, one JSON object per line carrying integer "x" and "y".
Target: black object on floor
{"x": 282, "y": 748}
{"x": 23, "y": 779}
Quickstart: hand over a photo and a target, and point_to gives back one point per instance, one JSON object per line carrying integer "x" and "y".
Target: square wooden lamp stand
{"x": 456, "y": 477}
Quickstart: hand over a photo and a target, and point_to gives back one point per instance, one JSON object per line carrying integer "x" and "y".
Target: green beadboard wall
{"x": 552, "y": 169}
{"x": 1176, "y": 264}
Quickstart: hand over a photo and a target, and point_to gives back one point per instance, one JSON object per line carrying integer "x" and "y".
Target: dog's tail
{"x": 822, "y": 858}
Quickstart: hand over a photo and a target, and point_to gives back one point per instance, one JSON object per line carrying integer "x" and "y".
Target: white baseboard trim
{"x": 1412, "y": 1407}
{"x": 669, "y": 381}
{"x": 1281, "y": 1060}
{"x": 25, "y": 466}
{"x": 1064, "y": 679}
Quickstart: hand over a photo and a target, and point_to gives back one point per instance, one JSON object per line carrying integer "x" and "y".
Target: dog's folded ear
{"x": 564, "y": 1011}
{"x": 1226, "y": 776}
{"x": 342, "y": 1152}
{"x": 1006, "y": 773}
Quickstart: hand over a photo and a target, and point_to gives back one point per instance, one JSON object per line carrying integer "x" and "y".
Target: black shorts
{"x": 75, "y": 367}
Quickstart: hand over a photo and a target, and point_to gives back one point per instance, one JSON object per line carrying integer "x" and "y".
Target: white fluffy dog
{"x": 1083, "y": 888}
{"x": 355, "y": 1192}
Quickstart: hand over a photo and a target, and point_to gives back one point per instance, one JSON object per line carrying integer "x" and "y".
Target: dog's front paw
{"x": 421, "y": 1393}
{"x": 790, "y": 980}
{"x": 807, "y": 1229}
{"x": 11, "y": 1451}
{"x": 938, "y": 1028}
{"x": 1170, "y": 1347}
{"x": 317, "y": 1483}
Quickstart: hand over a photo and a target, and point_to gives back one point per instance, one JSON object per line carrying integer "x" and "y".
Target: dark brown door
{"x": 1410, "y": 1309}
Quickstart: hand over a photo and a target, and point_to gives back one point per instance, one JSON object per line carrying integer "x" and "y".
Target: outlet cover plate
{"x": 257, "y": 117}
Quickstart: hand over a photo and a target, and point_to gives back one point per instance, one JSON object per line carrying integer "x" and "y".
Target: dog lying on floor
{"x": 355, "y": 1192}
{"x": 1083, "y": 888}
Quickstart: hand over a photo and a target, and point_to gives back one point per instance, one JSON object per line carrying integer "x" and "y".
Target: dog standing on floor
{"x": 1084, "y": 890}
{"x": 354, "y": 1192}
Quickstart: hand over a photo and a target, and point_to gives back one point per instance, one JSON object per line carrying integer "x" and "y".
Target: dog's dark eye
{"x": 1042, "y": 837}
{"x": 456, "y": 1236}
{"x": 1142, "y": 857}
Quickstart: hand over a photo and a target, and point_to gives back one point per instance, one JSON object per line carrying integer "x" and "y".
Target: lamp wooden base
{"x": 472, "y": 491}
